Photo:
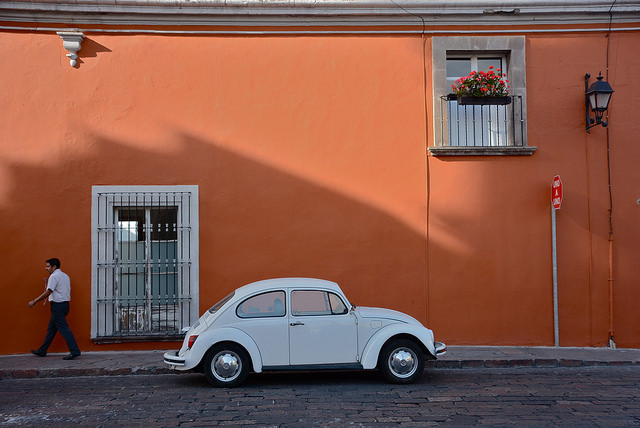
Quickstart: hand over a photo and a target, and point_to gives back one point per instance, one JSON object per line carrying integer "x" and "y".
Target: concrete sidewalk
{"x": 114, "y": 363}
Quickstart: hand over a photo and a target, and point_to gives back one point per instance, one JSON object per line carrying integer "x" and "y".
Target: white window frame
{"x": 103, "y": 239}
{"x": 512, "y": 48}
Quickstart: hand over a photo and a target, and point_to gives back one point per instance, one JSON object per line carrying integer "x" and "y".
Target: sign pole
{"x": 556, "y": 330}
{"x": 556, "y": 202}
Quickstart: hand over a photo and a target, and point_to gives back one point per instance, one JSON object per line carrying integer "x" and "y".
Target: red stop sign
{"x": 556, "y": 192}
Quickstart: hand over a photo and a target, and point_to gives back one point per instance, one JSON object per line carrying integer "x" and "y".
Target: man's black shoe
{"x": 39, "y": 353}
{"x": 70, "y": 356}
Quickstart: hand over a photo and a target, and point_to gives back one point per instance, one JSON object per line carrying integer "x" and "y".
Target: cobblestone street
{"x": 580, "y": 396}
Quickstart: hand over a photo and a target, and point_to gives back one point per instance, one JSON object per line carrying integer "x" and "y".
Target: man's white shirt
{"x": 60, "y": 285}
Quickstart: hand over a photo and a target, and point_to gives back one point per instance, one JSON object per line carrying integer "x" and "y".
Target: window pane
{"x": 130, "y": 224}
{"x": 458, "y": 67}
{"x": 128, "y": 231}
{"x": 310, "y": 303}
{"x": 262, "y": 305}
{"x": 485, "y": 63}
{"x": 164, "y": 224}
{"x": 337, "y": 305}
{"x": 164, "y": 272}
{"x": 164, "y": 269}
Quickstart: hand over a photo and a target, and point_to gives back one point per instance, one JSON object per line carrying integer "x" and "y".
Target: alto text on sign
{"x": 556, "y": 192}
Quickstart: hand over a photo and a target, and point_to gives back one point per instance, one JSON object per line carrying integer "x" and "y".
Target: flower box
{"x": 482, "y": 88}
{"x": 496, "y": 101}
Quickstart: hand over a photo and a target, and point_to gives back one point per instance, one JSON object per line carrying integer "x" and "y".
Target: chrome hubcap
{"x": 403, "y": 362}
{"x": 226, "y": 365}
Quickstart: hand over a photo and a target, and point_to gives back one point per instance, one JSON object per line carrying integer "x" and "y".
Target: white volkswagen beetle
{"x": 301, "y": 324}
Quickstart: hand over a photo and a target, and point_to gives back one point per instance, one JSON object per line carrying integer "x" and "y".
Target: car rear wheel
{"x": 401, "y": 361}
{"x": 226, "y": 365}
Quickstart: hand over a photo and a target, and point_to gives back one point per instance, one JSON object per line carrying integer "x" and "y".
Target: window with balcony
{"x": 479, "y": 129}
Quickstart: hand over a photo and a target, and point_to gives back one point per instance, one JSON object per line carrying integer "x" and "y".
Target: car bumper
{"x": 174, "y": 361}
{"x": 441, "y": 349}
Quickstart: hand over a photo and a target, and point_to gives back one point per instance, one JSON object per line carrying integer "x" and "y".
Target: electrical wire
{"x": 607, "y": 133}
{"x": 426, "y": 155}
{"x": 612, "y": 343}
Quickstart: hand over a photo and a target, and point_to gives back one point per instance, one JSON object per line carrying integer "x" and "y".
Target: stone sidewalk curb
{"x": 76, "y": 372}
{"x": 536, "y": 362}
{"x": 130, "y": 363}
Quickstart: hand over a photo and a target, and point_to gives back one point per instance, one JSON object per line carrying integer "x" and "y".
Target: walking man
{"x": 58, "y": 290}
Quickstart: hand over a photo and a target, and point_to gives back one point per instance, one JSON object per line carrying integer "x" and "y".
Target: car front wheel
{"x": 226, "y": 365}
{"x": 401, "y": 361}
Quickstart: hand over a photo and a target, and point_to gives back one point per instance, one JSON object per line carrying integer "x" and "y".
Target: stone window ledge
{"x": 482, "y": 151}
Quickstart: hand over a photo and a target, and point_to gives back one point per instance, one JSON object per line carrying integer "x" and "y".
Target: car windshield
{"x": 221, "y": 303}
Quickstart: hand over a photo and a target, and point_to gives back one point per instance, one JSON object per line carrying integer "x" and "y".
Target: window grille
{"x": 144, "y": 280}
{"x": 482, "y": 125}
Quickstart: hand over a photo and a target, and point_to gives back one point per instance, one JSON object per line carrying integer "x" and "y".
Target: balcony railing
{"x": 482, "y": 126}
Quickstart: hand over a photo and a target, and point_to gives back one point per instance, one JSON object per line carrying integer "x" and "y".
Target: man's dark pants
{"x": 58, "y": 323}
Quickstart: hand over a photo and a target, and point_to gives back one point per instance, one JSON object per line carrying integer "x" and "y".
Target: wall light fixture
{"x": 597, "y": 97}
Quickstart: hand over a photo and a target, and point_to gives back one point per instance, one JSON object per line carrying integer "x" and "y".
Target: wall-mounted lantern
{"x": 597, "y": 97}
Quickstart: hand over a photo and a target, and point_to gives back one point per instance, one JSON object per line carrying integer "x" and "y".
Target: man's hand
{"x": 43, "y": 296}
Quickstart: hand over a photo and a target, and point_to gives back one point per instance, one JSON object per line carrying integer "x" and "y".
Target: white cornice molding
{"x": 309, "y": 13}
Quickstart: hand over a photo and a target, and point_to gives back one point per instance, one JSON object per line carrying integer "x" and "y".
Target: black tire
{"x": 401, "y": 361}
{"x": 226, "y": 365}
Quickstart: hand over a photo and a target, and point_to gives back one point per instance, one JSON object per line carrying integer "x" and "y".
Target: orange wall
{"x": 310, "y": 156}
{"x": 490, "y": 220}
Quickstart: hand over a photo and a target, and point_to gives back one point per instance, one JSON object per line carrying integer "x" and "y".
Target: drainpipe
{"x": 612, "y": 344}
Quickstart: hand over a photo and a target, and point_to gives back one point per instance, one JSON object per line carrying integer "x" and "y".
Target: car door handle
{"x": 293, "y": 324}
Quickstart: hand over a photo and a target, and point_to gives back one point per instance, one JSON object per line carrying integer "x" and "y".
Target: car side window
{"x": 312, "y": 302}
{"x": 263, "y": 305}
{"x": 337, "y": 305}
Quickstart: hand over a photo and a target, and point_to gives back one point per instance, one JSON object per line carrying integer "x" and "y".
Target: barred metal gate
{"x": 482, "y": 125}
{"x": 143, "y": 278}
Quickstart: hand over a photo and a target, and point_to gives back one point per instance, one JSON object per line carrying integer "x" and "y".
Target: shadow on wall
{"x": 256, "y": 222}
{"x": 91, "y": 49}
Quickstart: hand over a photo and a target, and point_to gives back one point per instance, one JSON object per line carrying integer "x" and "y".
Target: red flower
{"x": 482, "y": 83}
